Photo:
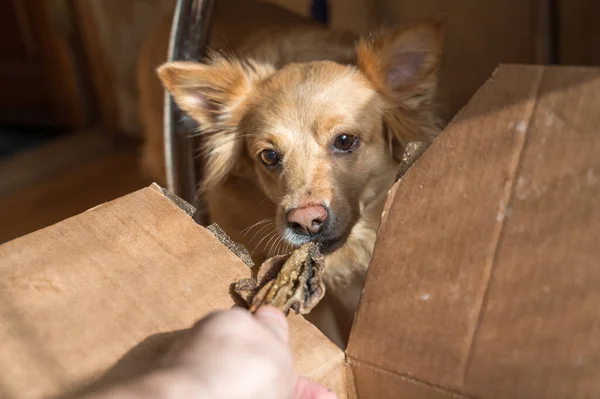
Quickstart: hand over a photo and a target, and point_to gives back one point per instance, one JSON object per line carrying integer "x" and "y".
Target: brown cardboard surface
{"x": 116, "y": 283}
{"x": 484, "y": 279}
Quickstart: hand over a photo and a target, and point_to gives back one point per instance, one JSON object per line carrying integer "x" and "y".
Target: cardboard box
{"x": 483, "y": 284}
{"x": 484, "y": 281}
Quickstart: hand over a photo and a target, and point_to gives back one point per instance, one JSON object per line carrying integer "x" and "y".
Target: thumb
{"x": 274, "y": 320}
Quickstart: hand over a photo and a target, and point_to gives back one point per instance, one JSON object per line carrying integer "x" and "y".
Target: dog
{"x": 303, "y": 132}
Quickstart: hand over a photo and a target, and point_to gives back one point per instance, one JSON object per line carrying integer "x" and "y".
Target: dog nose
{"x": 307, "y": 220}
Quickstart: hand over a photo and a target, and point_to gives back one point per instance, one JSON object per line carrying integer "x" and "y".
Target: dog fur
{"x": 294, "y": 91}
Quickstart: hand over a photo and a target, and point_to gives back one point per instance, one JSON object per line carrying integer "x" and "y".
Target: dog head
{"x": 323, "y": 139}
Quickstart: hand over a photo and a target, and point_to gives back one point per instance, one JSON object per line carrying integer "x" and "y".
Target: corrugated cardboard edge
{"x": 181, "y": 203}
{"x": 239, "y": 250}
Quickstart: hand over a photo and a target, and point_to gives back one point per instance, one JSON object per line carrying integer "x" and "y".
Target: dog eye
{"x": 269, "y": 157}
{"x": 345, "y": 142}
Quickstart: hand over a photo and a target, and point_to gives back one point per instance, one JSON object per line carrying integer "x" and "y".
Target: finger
{"x": 306, "y": 389}
{"x": 275, "y": 320}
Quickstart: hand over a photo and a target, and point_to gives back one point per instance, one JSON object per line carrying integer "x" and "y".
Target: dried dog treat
{"x": 249, "y": 287}
{"x": 293, "y": 281}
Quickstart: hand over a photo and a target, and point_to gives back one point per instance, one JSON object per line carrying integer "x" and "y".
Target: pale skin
{"x": 228, "y": 354}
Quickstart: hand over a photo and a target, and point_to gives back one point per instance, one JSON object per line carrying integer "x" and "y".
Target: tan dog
{"x": 304, "y": 129}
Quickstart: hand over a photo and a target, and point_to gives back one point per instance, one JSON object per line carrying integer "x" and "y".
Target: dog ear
{"x": 403, "y": 64}
{"x": 214, "y": 95}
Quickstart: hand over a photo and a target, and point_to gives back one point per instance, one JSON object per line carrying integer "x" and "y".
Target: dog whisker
{"x": 264, "y": 228}
{"x": 275, "y": 236}
{"x": 272, "y": 199}
{"x": 280, "y": 245}
{"x": 248, "y": 229}
{"x": 285, "y": 248}
{"x": 273, "y": 250}
{"x": 261, "y": 241}
{"x": 266, "y": 236}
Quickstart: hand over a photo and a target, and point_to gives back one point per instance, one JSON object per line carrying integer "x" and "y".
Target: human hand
{"x": 227, "y": 355}
{"x": 236, "y": 355}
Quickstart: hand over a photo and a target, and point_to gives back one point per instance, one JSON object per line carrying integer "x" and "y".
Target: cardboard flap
{"x": 116, "y": 284}
{"x": 484, "y": 279}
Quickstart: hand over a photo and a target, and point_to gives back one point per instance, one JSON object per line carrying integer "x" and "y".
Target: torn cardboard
{"x": 483, "y": 284}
